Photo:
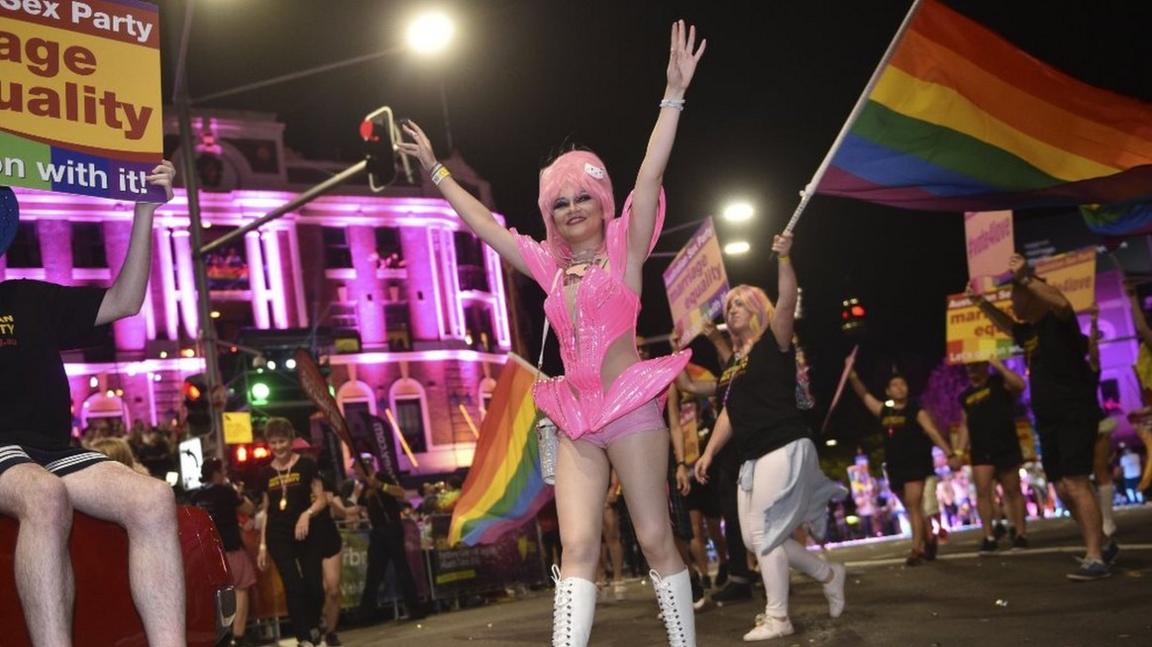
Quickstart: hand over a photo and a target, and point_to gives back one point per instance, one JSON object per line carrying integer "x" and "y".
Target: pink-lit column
{"x": 275, "y": 278}
{"x": 256, "y": 281}
{"x": 421, "y": 284}
{"x": 132, "y": 332}
{"x": 495, "y": 271}
{"x": 168, "y": 282}
{"x": 366, "y": 289}
{"x": 186, "y": 281}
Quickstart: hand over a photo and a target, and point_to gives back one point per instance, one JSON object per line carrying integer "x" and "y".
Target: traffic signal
{"x": 378, "y": 132}
{"x": 197, "y": 410}
{"x": 852, "y": 316}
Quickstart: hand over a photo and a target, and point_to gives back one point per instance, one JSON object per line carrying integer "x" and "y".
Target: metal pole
{"x": 810, "y": 189}
{"x": 444, "y": 108}
{"x": 207, "y": 336}
{"x": 287, "y": 207}
{"x": 297, "y": 75}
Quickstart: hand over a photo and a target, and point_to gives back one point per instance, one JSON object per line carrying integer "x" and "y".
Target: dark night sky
{"x": 776, "y": 84}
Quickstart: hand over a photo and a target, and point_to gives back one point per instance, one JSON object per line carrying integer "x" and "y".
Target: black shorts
{"x": 704, "y": 499}
{"x": 678, "y": 509}
{"x": 327, "y": 536}
{"x": 1002, "y": 458}
{"x": 1067, "y": 442}
{"x": 60, "y": 462}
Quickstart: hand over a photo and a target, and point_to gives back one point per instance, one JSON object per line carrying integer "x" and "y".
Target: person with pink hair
{"x": 608, "y": 403}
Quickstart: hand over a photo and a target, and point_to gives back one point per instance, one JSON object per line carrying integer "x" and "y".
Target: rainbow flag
{"x": 961, "y": 120}
{"x": 504, "y": 488}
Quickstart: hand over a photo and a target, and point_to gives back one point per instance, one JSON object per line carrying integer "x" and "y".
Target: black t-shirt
{"x": 37, "y": 321}
{"x": 989, "y": 411}
{"x": 1057, "y": 367}
{"x": 383, "y": 509}
{"x": 221, "y": 502}
{"x": 906, "y": 446}
{"x": 759, "y": 393}
{"x": 293, "y": 486}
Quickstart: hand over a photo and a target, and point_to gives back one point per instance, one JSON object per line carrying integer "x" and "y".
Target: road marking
{"x": 1051, "y": 550}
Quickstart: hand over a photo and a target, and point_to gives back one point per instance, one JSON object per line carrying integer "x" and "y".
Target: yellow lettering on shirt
{"x": 7, "y": 330}
{"x": 978, "y": 396}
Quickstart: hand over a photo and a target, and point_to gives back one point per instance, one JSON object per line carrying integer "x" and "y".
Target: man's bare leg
{"x": 39, "y": 501}
{"x": 145, "y": 507}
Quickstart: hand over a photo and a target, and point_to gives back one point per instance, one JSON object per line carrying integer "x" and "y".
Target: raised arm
{"x": 473, "y": 212}
{"x": 126, "y": 295}
{"x": 998, "y": 317}
{"x": 720, "y": 341}
{"x": 1012, "y": 379}
{"x": 784, "y": 316}
{"x": 682, "y": 60}
{"x": 1052, "y": 297}
{"x": 870, "y": 402}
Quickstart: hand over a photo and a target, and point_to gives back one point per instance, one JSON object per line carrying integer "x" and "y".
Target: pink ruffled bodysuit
{"x": 606, "y": 309}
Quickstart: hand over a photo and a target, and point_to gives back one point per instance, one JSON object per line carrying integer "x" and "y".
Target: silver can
{"x": 546, "y": 441}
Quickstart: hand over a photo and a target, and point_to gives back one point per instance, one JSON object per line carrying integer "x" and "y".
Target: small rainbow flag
{"x": 504, "y": 488}
{"x": 961, "y": 120}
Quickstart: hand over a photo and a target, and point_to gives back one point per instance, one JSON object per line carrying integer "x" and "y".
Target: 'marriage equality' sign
{"x": 696, "y": 283}
{"x": 80, "y": 104}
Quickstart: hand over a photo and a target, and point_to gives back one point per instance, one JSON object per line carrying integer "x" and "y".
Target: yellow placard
{"x": 971, "y": 336}
{"x": 237, "y": 427}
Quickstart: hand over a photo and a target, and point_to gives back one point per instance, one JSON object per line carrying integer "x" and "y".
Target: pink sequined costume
{"x": 607, "y": 309}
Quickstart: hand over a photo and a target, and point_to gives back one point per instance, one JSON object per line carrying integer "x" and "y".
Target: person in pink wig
{"x": 608, "y": 403}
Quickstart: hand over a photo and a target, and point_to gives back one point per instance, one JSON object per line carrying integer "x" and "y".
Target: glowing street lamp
{"x": 430, "y": 33}
{"x": 737, "y": 247}
{"x": 738, "y": 212}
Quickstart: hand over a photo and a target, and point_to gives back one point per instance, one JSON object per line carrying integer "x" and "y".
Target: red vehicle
{"x": 104, "y": 612}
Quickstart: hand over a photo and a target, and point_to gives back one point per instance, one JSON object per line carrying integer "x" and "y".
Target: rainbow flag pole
{"x": 810, "y": 188}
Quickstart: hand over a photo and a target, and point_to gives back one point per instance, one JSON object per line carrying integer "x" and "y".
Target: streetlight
{"x": 737, "y": 247}
{"x": 430, "y": 33}
{"x": 738, "y": 212}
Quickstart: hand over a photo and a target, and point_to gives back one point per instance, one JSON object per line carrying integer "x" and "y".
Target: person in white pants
{"x": 781, "y": 486}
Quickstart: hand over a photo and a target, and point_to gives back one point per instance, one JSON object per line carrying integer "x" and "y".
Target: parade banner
{"x": 989, "y": 243}
{"x": 80, "y": 106}
{"x": 696, "y": 283}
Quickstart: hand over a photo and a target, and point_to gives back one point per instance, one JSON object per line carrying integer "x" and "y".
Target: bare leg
{"x": 914, "y": 505}
{"x": 1105, "y": 490}
{"x": 612, "y": 541}
{"x": 332, "y": 566}
{"x": 240, "y": 622}
{"x": 1014, "y": 499}
{"x": 39, "y": 501}
{"x": 983, "y": 476}
{"x": 145, "y": 507}
{"x": 646, "y": 492}
{"x": 581, "y": 488}
{"x": 1083, "y": 501}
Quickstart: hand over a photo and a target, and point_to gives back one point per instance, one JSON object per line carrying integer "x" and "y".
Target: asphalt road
{"x": 1018, "y": 598}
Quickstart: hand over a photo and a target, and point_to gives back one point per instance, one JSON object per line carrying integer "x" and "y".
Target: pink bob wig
{"x": 757, "y": 302}
{"x": 580, "y": 169}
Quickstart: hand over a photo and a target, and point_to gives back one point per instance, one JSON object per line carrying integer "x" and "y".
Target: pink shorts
{"x": 240, "y": 564}
{"x": 646, "y": 417}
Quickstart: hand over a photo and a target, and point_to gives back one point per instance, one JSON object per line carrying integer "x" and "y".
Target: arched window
{"x": 410, "y": 406}
{"x": 106, "y": 408}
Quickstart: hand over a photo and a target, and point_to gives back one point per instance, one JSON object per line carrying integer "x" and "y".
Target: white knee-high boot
{"x": 674, "y": 594}
{"x": 572, "y": 610}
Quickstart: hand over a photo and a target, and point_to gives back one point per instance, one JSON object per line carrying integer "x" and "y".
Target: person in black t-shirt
{"x": 43, "y": 479}
{"x": 908, "y": 437}
{"x": 325, "y": 532}
{"x": 781, "y": 485}
{"x": 223, "y": 502}
{"x": 292, "y": 494}
{"x": 1063, "y": 401}
{"x": 380, "y": 499}
{"x": 988, "y": 426}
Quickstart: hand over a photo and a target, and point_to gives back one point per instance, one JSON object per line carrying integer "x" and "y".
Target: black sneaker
{"x": 1019, "y": 542}
{"x": 988, "y": 546}
{"x": 697, "y": 588}
{"x": 1090, "y": 569}
{"x": 734, "y": 592}
{"x": 722, "y": 575}
{"x": 999, "y": 530}
{"x": 931, "y": 547}
{"x": 332, "y": 640}
{"x": 915, "y": 558}
{"x": 1111, "y": 552}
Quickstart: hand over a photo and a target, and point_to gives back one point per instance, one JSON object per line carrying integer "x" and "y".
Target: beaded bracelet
{"x": 677, "y": 104}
